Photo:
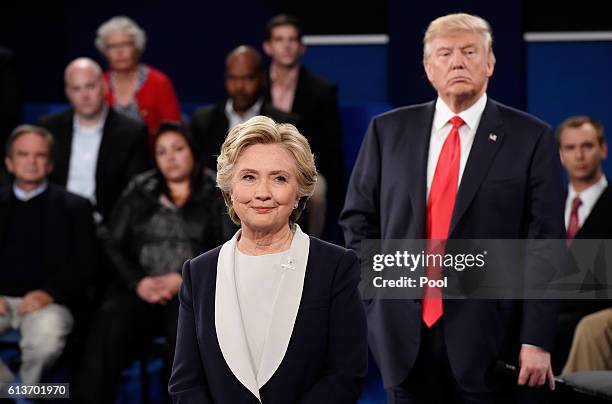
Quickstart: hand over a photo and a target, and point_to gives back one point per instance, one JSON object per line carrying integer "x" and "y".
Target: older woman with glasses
{"x": 135, "y": 89}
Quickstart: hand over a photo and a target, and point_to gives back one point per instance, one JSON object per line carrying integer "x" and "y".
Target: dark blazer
{"x": 69, "y": 252}
{"x": 598, "y": 225}
{"x": 316, "y": 103}
{"x": 511, "y": 188}
{"x": 209, "y": 127}
{"x": 123, "y": 154}
{"x": 326, "y": 357}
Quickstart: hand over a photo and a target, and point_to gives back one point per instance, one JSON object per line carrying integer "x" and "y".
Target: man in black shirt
{"x": 47, "y": 250}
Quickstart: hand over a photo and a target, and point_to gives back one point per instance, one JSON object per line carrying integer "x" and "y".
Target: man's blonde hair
{"x": 444, "y": 25}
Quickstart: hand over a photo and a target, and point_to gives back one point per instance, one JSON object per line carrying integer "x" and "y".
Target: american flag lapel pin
{"x": 492, "y": 137}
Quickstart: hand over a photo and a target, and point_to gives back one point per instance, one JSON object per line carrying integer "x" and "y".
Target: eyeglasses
{"x": 119, "y": 45}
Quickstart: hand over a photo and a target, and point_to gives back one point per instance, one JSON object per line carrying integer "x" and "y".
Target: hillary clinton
{"x": 272, "y": 315}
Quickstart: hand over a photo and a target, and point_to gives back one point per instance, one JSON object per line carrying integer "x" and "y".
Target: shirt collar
{"x": 251, "y": 112}
{"x": 99, "y": 126}
{"x": 591, "y": 193}
{"x": 470, "y": 116}
{"x": 26, "y": 196}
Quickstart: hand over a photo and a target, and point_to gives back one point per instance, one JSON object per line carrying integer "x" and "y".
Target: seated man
{"x": 592, "y": 345}
{"x": 244, "y": 82}
{"x": 46, "y": 250}
{"x": 98, "y": 150}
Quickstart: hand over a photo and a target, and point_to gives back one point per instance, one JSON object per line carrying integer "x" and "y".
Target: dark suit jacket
{"x": 598, "y": 225}
{"x": 209, "y": 127}
{"x": 316, "y": 103}
{"x": 511, "y": 188}
{"x": 325, "y": 361}
{"x": 123, "y": 154}
{"x": 69, "y": 252}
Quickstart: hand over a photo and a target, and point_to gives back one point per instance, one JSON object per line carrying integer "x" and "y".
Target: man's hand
{"x": 32, "y": 301}
{"x": 535, "y": 367}
{"x": 3, "y": 307}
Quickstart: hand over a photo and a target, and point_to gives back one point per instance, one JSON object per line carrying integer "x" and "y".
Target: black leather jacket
{"x": 137, "y": 235}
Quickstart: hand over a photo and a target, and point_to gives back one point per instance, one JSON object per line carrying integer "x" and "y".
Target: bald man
{"x": 244, "y": 83}
{"x": 98, "y": 150}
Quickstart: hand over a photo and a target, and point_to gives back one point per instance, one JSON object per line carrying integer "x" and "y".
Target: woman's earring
{"x": 296, "y": 205}
{"x": 232, "y": 198}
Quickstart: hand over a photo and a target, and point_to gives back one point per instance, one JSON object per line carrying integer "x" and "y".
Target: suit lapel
{"x": 600, "y": 210}
{"x": 285, "y": 309}
{"x": 63, "y": 149}
{"x": 105, "y": 147}
{"x": 417, "y": 147}
{"x": 228, "y": 320}
{"x": 481, "y": 156}
{"x": 300, "y": 89}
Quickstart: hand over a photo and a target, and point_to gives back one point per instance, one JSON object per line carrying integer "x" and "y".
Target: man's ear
{"x": 267, "y": 48}
{"x": 8, "y": 163}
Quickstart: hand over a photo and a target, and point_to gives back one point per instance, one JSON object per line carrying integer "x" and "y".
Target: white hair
{"x": 121, "y": 24}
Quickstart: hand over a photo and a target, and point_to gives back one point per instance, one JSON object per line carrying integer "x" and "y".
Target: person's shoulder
{"x": 70, "y": 199}
{"x": 208, "y": 110}
{"x": 125, "y": 123}
{"x": 205, "y": 261}
{"x": 513, "y": 115}
{"x": 331, "y": 252}
{"x": 279, "y": 116}
{"x": 156, "y": 75}
{"x": 315, "y": 82}
{"x": 55, "y": 119}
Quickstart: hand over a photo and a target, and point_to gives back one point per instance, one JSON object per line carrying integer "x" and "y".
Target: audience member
{"x": 47, "y": 245}
{"x": 244, "y": 83}
{"x": 165, "y": 216}
{"x": 592, "y": 346}
{"x": 138, "y": 90}
{"x": 98, "y": 150}
{"x": 588, "y": 213}
{"x": 295, "y": 89}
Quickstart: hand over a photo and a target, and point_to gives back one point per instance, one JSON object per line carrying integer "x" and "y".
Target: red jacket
{"x": 156, "y": 99}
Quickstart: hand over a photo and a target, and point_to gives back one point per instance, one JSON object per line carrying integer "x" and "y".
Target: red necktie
{"x": 440, "y": 207}
{"x": 573, "y": 225}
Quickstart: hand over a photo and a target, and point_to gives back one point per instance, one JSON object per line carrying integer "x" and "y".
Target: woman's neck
{"x": 128, "y": 75}
{"x": 179, "y": 192}
{"x": 253, "y": 242}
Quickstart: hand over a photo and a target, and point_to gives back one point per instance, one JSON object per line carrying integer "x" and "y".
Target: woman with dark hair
{"x": 165, "y": 216}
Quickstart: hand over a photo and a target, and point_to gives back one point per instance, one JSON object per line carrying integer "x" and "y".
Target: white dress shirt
{"x": 588, "y": 197}
{"x": 84, "y": 158}
{"x": 235, "y": 119}
{"x": 440, "y": 130}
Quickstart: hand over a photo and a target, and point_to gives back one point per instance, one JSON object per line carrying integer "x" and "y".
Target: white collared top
{"x": 257, "y": 282}
{"x": 235, "y": 119}
{"x": 84, "y": 158}
{"x": 441, "y": 128}
{"x": 588, "y": 197}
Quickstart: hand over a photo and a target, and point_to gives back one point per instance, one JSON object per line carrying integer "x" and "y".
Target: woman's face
{"x": 174, "y": 157}
{"x": 121, "y": 52}
{"x": 264, "y": 187}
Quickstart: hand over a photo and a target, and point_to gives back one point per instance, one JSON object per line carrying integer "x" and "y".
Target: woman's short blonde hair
{"x": 442, "y": 26}
{"x": 124, "y": 25}
{"x": 263, "y": 130}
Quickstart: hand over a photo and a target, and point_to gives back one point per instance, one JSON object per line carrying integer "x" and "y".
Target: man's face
{"x": 284, "y": 46}
{"x": 85, "y": 90}
{"x": 29, "y": 160}
{"x": 243, "y": 81}
{"x": 459, "y": 66}
{"x": 581, "y": 153}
